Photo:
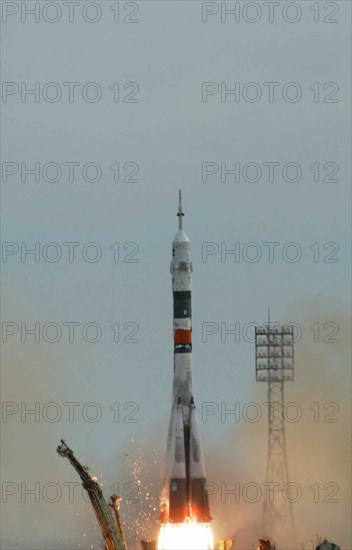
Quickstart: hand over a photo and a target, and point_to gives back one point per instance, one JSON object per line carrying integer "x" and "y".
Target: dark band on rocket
{"x": 182, "y": 304}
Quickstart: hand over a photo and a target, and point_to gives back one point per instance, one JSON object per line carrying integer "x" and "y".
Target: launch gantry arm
{"x": 112, "y": 532}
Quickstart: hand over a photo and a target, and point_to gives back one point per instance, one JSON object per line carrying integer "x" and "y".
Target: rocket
{"x": 185, "y": 495}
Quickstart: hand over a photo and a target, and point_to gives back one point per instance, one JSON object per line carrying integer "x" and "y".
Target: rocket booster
{"x": 185, "y": 490}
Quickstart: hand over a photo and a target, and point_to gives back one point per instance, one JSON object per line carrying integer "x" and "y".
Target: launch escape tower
{"x": 274, "y": 365}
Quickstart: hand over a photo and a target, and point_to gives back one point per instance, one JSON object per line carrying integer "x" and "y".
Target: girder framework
{"x": 275, "y": 366}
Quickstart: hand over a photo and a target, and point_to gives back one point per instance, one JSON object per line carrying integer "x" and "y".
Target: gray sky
{"x": 163, "y": 138}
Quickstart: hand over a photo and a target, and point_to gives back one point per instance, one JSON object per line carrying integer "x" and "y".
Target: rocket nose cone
{"x": 181, "y": 237}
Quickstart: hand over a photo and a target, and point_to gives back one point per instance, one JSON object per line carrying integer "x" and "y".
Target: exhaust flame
{"x": 186, "y": 536}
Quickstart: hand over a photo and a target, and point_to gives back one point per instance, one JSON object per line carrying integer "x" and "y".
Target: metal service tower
{"x": 274, "y": 365}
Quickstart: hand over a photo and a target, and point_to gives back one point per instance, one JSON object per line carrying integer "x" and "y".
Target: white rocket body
{"x": 185, "y": 491}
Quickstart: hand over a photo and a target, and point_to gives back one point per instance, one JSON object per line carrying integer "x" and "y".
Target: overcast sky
{"x": 163, "y": 128}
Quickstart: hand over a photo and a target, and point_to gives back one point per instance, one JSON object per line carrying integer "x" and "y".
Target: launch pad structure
{"x": 107, "y": 514}
{"x": 275, "y": 366}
